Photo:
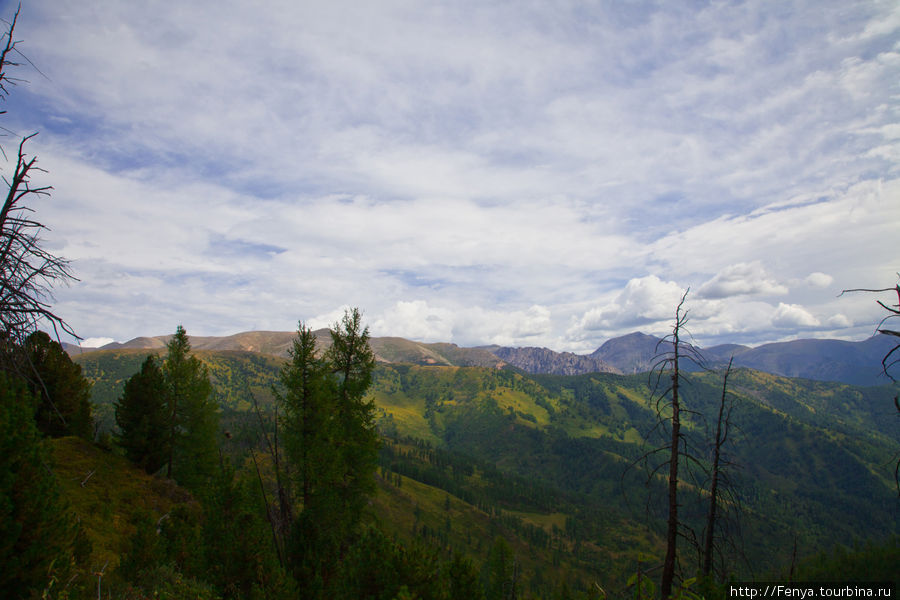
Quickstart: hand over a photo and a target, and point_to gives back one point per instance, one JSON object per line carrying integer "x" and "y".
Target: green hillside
{"x": 550, "y": 462}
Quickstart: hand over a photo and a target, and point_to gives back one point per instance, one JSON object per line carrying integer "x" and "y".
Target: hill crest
{"x": 857, "y": 363}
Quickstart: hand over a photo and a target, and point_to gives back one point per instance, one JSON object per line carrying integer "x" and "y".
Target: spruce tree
{"x": 142, "y": 419}
{"x": 192, "y": 412}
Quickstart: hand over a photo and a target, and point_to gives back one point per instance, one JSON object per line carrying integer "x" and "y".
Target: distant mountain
{"x": 544, "y": 360}
{"x": 632, "y": 353}
{"x": 278, "y": 343}
{"x": 856, "y": 363}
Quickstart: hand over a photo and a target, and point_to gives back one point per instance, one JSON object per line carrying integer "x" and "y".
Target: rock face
{"x": 544, "y": 360}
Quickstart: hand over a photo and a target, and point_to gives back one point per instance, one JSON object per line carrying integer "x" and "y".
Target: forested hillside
{"x": 552, "y": 463}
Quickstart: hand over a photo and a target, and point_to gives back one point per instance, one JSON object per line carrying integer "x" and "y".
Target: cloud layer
{"x": 475, "y": 172}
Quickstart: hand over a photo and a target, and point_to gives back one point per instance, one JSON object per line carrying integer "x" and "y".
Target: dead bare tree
{"x": 892, "y": 358}
{"x": 673, "y": 362}
{"x": 28, "y": 272}
{"x": 721, "y": 489}
{"x": 666, "y": 379}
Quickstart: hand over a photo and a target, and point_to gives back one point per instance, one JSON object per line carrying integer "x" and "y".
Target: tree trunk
{"x": 668, "y": 574}
{"x": 721, "y": 434}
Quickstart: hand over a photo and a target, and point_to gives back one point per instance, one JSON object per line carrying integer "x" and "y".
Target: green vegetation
{"x": 192, "y": 412}
{"x": 332, "y": 448}
{"x": 464, "y": 457}
{"x": 543, "y": 461}
{"x": 142, "y": 417}
{"x": 64, "y": 407}
{"x": 37, "y": 533}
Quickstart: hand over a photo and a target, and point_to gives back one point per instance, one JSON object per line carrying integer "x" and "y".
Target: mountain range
{"x": 856, "y": 363}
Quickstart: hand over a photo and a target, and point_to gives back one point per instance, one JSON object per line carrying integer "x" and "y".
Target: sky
{"x": 479, "y": 172}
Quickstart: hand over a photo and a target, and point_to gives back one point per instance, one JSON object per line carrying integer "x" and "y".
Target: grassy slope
{"x": 110, "y": 496}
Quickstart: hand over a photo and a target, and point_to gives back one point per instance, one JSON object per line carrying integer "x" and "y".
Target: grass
{"x": 109, "y": 496}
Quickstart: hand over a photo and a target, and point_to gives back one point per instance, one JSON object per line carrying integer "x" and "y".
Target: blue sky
{"x": 530, "y": 174}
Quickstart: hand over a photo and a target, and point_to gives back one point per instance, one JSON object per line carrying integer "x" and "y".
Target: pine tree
{"x": 142, "y": 419}
{"x": 192, "y": 412}
{"x": 65, "y": 395}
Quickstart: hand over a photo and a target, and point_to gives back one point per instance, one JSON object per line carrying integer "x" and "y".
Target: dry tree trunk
{"x": 721, "y": 437}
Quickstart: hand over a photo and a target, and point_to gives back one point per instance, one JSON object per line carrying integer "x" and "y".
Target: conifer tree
{"x": 306, "y": 399}
{"x": 65, "y": 395}
{"x": 500, "y": 572}
{"x": 36, "y": 531}
{"x": 352, "y": 361}
{"x": 331, "y": 443}
{"x": 142, "y": 419}
{"x": 192, "y": 412}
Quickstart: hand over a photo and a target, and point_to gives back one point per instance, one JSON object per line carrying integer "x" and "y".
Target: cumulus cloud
{"x": 742, "y": 279}
{"x": 788, "y": 316}
{"x": 415, "y": 320}
{"x": 644, "y": 300}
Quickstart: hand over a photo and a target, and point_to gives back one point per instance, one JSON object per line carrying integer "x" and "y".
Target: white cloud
{"x": 819, "y": 280}
{"x": 643, "y": 301}
{"x": 419, "y": 320}
{"x": 482, "y": 171}
{"x": 742, "y": 279}
{"x": 415, "y": 320}
{"x": 788, "y": 316}
{"x": 839, "y": 321}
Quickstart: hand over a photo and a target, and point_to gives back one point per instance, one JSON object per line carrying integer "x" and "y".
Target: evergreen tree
{"x": 352, "y": 361}
{"x": 240, "y": 559}
{"x": 65, "y": 395}
{"x": 36, "y": 532}
{"x": 500, "y": 572}
{"x": 307, "y": 400}
{"x": 463, "y": 583}
{"x": 142, "y": 419}
{"x": 332, "y": 445}
{"x": 192, "y": 412}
